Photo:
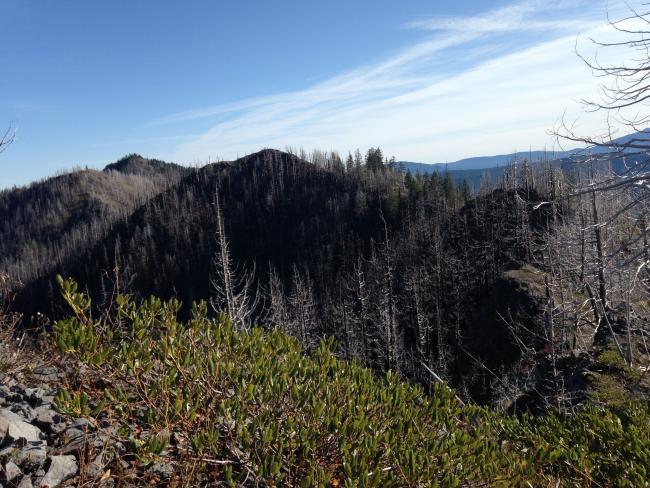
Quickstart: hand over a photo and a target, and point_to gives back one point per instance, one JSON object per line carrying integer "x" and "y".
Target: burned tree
{"x": 234, "y": 290}
{"x": 611, "y": 185}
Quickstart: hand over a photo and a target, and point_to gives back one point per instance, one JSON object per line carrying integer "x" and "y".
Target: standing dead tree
{"x": 361, "y": 311}
{"x": 612, "y": 201}
{"x": 625, "y": 86}
{"x": 278, "y": 315}
{"x": 8, "y": 319}
{"x": 234, "y": 290}
{"x": 302, "y": 308}
{"x": 387, "y": 305}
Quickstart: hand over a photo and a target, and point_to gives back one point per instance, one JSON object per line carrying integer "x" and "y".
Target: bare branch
{"x": 7, "y": 138}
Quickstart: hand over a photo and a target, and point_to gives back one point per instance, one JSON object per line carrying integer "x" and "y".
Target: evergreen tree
{"x": 374, "y": 159}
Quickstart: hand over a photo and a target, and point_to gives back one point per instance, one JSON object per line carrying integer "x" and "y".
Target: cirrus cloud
{"x": 484, "y": 84}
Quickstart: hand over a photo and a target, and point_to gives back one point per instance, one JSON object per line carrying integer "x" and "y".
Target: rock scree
{"x": 40, "y": 447}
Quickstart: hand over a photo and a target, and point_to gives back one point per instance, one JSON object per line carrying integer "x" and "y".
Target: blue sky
{"x": 85, "y": 82}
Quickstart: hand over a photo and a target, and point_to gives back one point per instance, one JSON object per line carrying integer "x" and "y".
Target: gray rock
{"x": 12, "y": 471}
{"x": 118, "y": 447}
{"x": 46, "y": 417}
{"x": 96, "y": 469}
{"x": 26, "y": 482}
{"x": 34, "y": 395}
{"x": 101, "y": 441}
{"x": 75, "y": 447}
{"x": 83, "y": 424}
{"x": 48, "y": 399}
{"x": 14, "y": 426}
{"x": 75, "y": 440}
{"x": 58, "y": 428}
{"x": 32, "y": 456}
{"x": 46, "y": 373}
{"x": 163, "y": 470}
{"x": 81, "y": 444}
{"x": 72, "y": 433}
{"x": 61, "y": 468}
{"x": 14, "y": 395}
{"x": 24, "y": 410}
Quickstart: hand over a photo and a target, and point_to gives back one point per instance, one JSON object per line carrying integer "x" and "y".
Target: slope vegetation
{"x": 249, "y": 408}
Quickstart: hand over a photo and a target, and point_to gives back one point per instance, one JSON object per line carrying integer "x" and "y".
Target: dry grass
{"x": 20, "y": 350}
{"x": 11, "y": 341}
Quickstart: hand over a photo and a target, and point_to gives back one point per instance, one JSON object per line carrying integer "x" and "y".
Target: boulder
{"x": 14, "y": 427}
{"x": 26, "y": 482}
{"x": 11, "y": 471}
{"x": 61, "y": 468}
{"x": 30, "y": 456}
{"x": 46, "y": 417}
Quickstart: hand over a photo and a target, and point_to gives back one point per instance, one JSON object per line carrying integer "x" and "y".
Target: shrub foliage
{"x": 251, "y": 407}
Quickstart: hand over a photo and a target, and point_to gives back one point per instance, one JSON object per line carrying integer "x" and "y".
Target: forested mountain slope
{"x": 44, "y": 224}
{"x": 279, "y": 210}
{"x": 383, "y": 261}
{"x": 409, "y": 273}
{"x": 137, "y": 165}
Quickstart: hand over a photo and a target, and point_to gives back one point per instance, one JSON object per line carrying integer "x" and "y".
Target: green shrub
{"x": 268, "y": 412}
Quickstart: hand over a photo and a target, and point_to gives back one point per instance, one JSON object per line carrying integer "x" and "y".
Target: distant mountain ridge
{"x": 491, "y": 162}
{"x": 483, "y": 162}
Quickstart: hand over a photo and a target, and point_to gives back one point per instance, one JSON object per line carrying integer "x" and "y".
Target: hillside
{"x": 385, "y": 263}
{"x": 137, "y": 412}
{"x": 331, "y": 277}
{"x": 311, "y": 232}
{"x": 46, "y": 223}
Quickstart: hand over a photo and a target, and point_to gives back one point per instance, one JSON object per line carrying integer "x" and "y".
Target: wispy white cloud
{"x": 503, "y": 92}
{"x": 529, "y": 15}
{"x": 394, "y": 73}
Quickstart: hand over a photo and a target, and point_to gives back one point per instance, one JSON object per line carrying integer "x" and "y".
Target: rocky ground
{"x": 41, "y": 447}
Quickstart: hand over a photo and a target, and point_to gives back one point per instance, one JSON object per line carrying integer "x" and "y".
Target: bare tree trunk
{"x": 303, "y": 308}
{"x": 550, "y": 323}
{"x": 277, "y": 302}
{"x": 388, "y": 309}
{"x": 600, "y": 258}
{"x": 234, "y": 291}
{"x": 362, "y": 308}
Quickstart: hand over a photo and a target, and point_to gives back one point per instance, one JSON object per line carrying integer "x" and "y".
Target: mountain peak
{"x": 138, "y": 165}
{"x": 269, "y": 154}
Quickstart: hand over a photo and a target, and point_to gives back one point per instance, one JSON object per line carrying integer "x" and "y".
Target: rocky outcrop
{"x": 509, "y": 335}
{"x": 516, "y": 297}
{"x": 61, "y": 468}
{"x": 40, "y": 447}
